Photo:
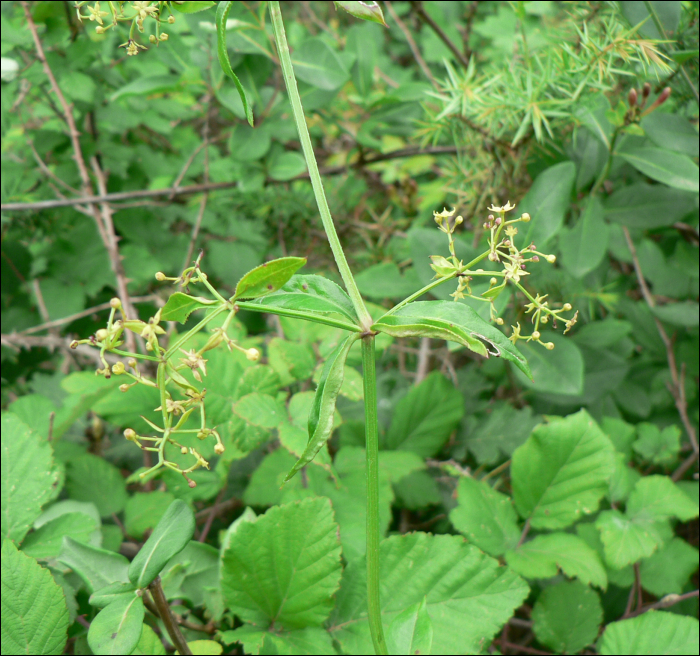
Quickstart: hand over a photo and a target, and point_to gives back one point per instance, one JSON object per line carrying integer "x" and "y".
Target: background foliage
{"x": 582, "y": 482}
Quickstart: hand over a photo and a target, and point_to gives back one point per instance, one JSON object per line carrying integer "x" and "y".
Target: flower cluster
{"x": 502, "y": 235}
{"x": 179, "y": 398}
{"x": 140, "y": 12}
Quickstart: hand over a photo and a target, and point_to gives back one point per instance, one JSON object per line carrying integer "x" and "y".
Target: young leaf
{"x": 191, "y": 7}
{"x": 311, "y": 294}
{"x": 323, "y": 408}
{"x": 671, "y": 633}
{"x": 170, "y": 536}
{"x": 452, "y": 321}
{"x": 97, "y": 567}
{"x": 369, "y": 11}
{"x": 180, "y": 306}
{"x": 221, "y": 15}
{"x": 117, "y": 628}
{"x": 268, "y": 277}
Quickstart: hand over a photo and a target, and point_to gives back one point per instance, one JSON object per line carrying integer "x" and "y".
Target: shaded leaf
{"x": 369, "y": 11}
{"x": 180, "y": 306}
{"x": 675, "y": 170}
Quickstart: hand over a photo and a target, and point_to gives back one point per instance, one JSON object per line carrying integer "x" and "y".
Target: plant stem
{"x": 166, "y": 615}
{"x": 316, "y": 183}
{"x": 372, "y": 445}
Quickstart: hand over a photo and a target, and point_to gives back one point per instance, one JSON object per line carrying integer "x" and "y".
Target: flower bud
{"x": 130, "y": 434}
{"x": 567, "y": 306}
{"x": 252, "y": 354}
{"x": 101, "y": 335}
{"x": 118, "y": 368}
{"x": 163, "y": 36}
{"x": 458, "y": 220}
{"x": 131, "y": 362}
{"x": 99, "y": 29}
{"x": 498, "y": 221}
{"x": 124, "y": 388}
{"x": 152, "y": 38}
{"x": 499, "y": 321}
{"x": 191, "y": 483}
{"x": 551, "y": 259}
{"x": 536, "y": 334}
{"x": 493, "y": 281}
{"x": 171, "y": 19}
{"x": 535, "y": 258}
{"x": 549, "y": 346}
{"x": 116, "y": 303}
{"x": 219, "y": 449}
{"x": 646, "y": 90}
{"x": 632, "y": 98}
{"x": 160, "y": 276}
{"x": 183, "y": 450}
{"x": 74, "y": 344}
{"x": 525, "y": 217}
{"x": 490, "y": 217}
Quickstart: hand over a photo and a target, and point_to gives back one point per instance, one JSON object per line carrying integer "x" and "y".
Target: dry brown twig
{"x": 677, "y": 385}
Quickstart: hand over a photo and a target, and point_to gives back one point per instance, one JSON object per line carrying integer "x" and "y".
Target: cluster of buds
{"x": 141, "y": 12}
{"x": 514, "y": 260}
{"x": 637, "y": 104}
{"x": 170, "y": 369}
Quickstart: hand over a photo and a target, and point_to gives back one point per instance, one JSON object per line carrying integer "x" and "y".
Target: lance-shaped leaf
{"x": 268, "y": 277}
{"x": 311, "y": 294}
{"x": 180, "y": 306}
{"x": 455, "y": 322}
{"x": 169, "y": 537}
{"x": 221, "y": 15}
{"x": 369, "y": 11}
{"x": 323, "y": 408}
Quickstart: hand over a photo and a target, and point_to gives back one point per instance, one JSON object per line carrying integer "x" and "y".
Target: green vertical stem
{"x": 316, "y": 183}
{"x": 369, "y": 379}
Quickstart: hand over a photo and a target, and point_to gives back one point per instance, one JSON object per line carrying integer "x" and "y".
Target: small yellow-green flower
{"x": 506, "y": 208}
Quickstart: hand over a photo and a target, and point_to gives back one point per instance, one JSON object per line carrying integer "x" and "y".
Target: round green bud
{"x": 525, "y": 217}
{"x": 101, "y": 335}
{"x": 567, "y": 306}
{"x": 219, "y": 449}
{"x": 549, "y": 346}
{"x": 183, "y": 450}
{"x": 551, "y": 259}
{"x": 118, "y": 368}
{"x": 130, "y": 434}
{"x": 252, "y": 354}
{"x": 160, "y": 276}
{"x": 536, "y": 334}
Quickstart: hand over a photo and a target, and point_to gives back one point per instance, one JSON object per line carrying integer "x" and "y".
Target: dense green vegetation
{"x": 554, "y": 513}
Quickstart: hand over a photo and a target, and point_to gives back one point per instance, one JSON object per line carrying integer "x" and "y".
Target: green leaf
{"x": 91, "y": 478}
{"x": 411, "y": 632}
{"x": 452, "y": 321}
{"x": 486, "y": 517}
{"x": 566, "y": 617}
{"x": 668, "y": 570}
{"x": 425, "y": 417}
{"x": 97, "y": 568}
{"x": 34, "y": 614}
{"x": 144, "y": 510}
{"x": 562, "y": 471}
{"x": 287, "y": 166}
{"x": 268, "y": 277}
{"x": 46, "y": 541}
{"x": 283, "y": 566}
{"x": 180, "y": 306}
{"x": 668, "y": 13}
{"x": 317, "y": 64}
{"x": 658, "y": 447}
{"x": 28, "y": 476}
{"x": 117, "y": 628}
{"x": 191, "y": 7}
{"x": 583, "y": 248}
{"x": 646, "y": 206}
{"x": 369, "y": 11}
{"x": 312, "y": 294}
{"x": 672, "y": 132}
{"x": 654, "y": 632}
{"x": 684, "y": 314}
{"x": 547, "y": 202}
{"x": 540, "y": 557}
{"x": 110, "y": 593}
{"x": 222, "y": 12}
{"x": 170, "y": 536}
{"x": 323, "y": 408}
{"x": 459, "y": 581}
{"x": 675, "y": 170}
{"x": 559, "y": 371}
{"x": 144, "y": 86}
{"x": 260, "y": 410}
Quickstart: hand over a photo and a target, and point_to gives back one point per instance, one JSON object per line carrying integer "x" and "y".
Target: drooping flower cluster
{"x": 175, "y": 410}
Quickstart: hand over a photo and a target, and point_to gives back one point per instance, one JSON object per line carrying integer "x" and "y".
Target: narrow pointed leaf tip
{"x": 180, "y": 306}
{"x": 221, "y": 15}
{"x": 323, "y": 408}
{"x": 454, "y": 322}
{"x": 369, "y": 11}
{"x": 268, "y": 277}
